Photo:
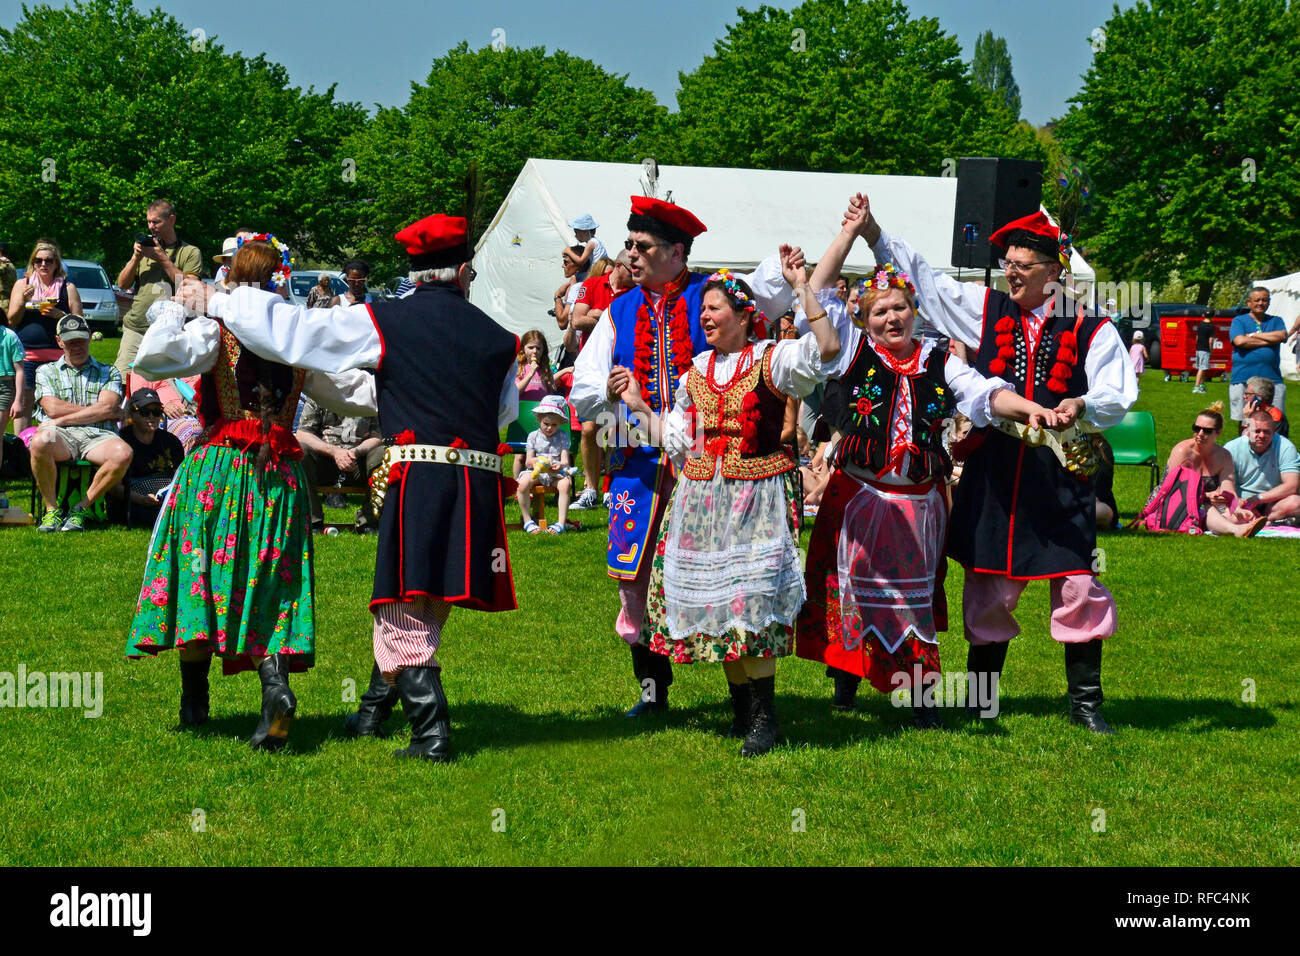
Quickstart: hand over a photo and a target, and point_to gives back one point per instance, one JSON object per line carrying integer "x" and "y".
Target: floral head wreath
{"x": 281, "y": 274}
{"x": 743, "y": 302}
{"x": 888, "y": 277}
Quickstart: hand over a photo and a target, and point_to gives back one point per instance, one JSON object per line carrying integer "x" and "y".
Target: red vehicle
{"x": 1178, "y": 344}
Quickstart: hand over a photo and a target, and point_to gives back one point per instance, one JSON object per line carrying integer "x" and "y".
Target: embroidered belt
{"x": 1072, "y": 446}
{"x": 437, "y": 454}
{"x": 443, "y": 454}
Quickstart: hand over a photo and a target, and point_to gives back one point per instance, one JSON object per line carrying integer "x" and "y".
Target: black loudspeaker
{"x": 991, "y": 192}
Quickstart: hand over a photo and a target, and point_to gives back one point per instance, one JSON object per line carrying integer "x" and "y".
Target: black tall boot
{"x": 194, "y": 691}
{"x": 278, "y": 704}
{"x": 741, "y": 709}
{"x": 763, "y": 730}
{"x": 925, "y": 716}
{"x": 846, "y": 688}
{"x": 654, "y": 675}
{"x": 376, "y": 707}
{"x": 1083, "y": 675}
{"x": 984, "y": 662}
{"x": 426, "y": 708}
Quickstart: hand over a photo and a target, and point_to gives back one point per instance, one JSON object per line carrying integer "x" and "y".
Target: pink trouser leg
{"x": 408, "y": 633}
{"x": 1082, "y": 609}
{"x": 987, "y": 605}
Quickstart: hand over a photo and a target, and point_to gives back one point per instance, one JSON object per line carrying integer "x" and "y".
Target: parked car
{"x": 99, "y": 302}
{"x": 301, "y": 283}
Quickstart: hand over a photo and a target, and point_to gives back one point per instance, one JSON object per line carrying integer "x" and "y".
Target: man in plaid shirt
{"x": 78, "y": 404}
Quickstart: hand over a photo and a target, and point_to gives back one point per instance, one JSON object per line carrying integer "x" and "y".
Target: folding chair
{"x": 73, "y": 479}
{"x": 1134, "y": 443}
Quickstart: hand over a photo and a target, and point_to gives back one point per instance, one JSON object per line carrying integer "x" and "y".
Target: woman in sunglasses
{"x": 38, "y": 300}
{"x": 1218, "y": 507}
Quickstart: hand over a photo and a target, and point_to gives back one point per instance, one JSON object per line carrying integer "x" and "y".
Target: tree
{"x": 991, "y": 69}
{"x": 838, "y": 85}
{"x": 108, "y": 108}
{"x": 491, "y": 110}
{"x": 1188, "y": 125}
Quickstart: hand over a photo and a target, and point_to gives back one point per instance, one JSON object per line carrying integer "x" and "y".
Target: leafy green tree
{"x": 991, "y": 69}
{"x": 490, "y": 110}
{"x": 838, "y": 85}
{"x": 1189, "y": 127}
{"x": 107, "y": 108}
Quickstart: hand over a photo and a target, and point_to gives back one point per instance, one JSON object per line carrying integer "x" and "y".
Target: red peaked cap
{"x": 1038, "y": 224}
{"x": 436, "y": 241}
{"x": 669, "y": 214}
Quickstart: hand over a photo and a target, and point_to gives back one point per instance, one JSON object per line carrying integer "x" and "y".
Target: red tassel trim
{"x": 1067, "y": 356}
{"x": 997, "y": 366}
{"x": 1005, "y": 324}
{"x": 404, "y": 438}
{"x": 1056, "y": 385}
{"x": 1068, "y": 340}
{"x": 1005, "y": 339}
{"x": 1061, "y": 371}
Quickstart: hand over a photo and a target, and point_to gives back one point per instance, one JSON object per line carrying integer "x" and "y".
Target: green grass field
{"x": 549, "y": 771}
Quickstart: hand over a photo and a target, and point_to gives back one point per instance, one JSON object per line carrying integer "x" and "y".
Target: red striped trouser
{"x": 407, "y": 634}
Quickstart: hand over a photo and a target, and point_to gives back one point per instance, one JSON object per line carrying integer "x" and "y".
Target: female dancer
{"x": 725, "y": 582}
{"x": 877, "y": 543}
{"x": 230, "y": 563}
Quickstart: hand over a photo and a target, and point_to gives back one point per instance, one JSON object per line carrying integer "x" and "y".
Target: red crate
{"x": 1178, "y": 346}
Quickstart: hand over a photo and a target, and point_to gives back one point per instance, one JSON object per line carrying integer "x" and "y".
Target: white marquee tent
{"x": 749, "y": 213}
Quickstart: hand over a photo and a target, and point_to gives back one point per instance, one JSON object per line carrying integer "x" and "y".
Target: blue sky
{"x": 373, "y": 51}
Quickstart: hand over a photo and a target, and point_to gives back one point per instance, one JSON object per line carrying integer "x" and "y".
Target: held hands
{"x": 1040, "y": 417}
{"x": 793, "y": 267}
{"x": 194, "y": 295}
{"x": 622, "y": 384}
{"x": 1067, "y": 412}
{"x": 858, "y": 218}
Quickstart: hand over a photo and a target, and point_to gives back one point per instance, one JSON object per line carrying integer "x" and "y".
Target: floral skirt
{"x": 725, "y": 580}
{"x": 875, "y": 582}
{"x": 230, "y": 564}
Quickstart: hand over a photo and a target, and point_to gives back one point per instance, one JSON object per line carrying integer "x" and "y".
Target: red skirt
{"x": 820, "y": 630}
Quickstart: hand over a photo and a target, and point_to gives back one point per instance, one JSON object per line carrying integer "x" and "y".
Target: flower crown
{"x": 281, "y": 275}
{"x": 888, "y": 277}
{"x": 731, "y": 285}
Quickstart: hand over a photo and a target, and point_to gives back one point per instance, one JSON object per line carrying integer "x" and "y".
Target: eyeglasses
{"x": 1198, "y": 429}
{"x": 155, "y": 412}
{"x": 44, "y": 262}
{"x": 472, "y": 274}
{"x": 642, "y": 246}
{"x": 1020, "y": 268}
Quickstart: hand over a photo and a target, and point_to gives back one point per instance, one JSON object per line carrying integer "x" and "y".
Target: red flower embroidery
{"x": 864, "y": 406}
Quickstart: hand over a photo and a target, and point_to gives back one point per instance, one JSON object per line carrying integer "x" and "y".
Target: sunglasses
{"x": 44, "y": 262}
{"x": 1198, "y": 429}
{"x": 154, "y": 412}
{"x": 642, "y": 246}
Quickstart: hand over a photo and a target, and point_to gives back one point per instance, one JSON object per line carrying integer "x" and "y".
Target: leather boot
{"x": 925, "y": 716}
{"x": 425, "y": 705}
{"x": 278, "y": 705}
{"x": 741, "y": 704}
{"x": 376, "y": 707}
{"x": 655, "y": 668}
{"x": 763, "y": 729}
{"x": 194, "y": 691}
{"x": 984, "y": 662}
{"x": 1083, "y": 675}
{"x": 846, "y": 688}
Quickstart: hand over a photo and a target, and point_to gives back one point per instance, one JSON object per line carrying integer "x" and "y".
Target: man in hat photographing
{"x": 445, "y": 379}
{"x": 78, "y": 403}
{"x": 651, "y": 333}
{"x": 1018, "y": 515}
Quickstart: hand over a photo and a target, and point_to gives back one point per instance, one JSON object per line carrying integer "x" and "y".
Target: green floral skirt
{"x": 230, "y": 564}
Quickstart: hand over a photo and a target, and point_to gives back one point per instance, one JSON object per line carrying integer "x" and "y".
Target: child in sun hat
{"x": 546, "y": 462}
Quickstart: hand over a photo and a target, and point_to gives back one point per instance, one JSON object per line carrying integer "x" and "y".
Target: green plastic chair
{"x": 1134, "y": 443}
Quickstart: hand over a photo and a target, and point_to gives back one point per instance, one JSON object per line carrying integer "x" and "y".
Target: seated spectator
{"x": 179, "y": 398}
{"x": 1258, "y": 395}
{"x": 1268, "y": 470}
{"x": 589, "y": 250}
{"x": 37, "y": 302}
{"x": 339, "y": 451}
{"x": 321, "y": 295}
{"x": 535, "y": 380}
{"x": 546, "y": 463}
{"x": 78, "y": 402}
{"x": 1103, "y": 481}
{"x": 1201, "y": 469}
{"x": 155, "y": 456}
